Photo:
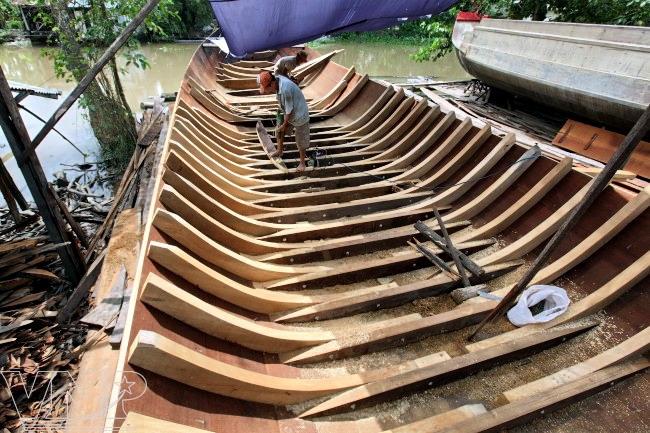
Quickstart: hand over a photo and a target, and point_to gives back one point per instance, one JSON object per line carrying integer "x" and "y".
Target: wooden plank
{"x": 269, "y": 147}
{"x": 433, "y": 258}
{"x": 82, "y": 289}
{"x": 106, "y": 311}
{"x": 630, "y": 348}
{"x": 459, "y": 366}
{"x": 216, "y": 321}
{"x": 519, "y": 412}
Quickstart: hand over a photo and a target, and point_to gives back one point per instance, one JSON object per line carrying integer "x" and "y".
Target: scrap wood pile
{"x": 30, "y": 340}
{"x": 33, "y": 289}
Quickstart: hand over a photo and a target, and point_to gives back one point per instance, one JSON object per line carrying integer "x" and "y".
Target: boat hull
{"x": 597, "y": 72}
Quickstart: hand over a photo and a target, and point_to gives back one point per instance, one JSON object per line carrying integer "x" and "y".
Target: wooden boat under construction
{"x": 270, "y": 303}
{"x": 600, "y": 72}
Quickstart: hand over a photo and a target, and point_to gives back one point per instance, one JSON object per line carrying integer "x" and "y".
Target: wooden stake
{"x": 452, "y": 250}
{"x": 92, "y": 72}
{"x": 619, "y": 158}
{"x": 19, "y": 141}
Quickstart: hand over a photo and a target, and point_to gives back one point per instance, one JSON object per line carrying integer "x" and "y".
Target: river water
{"x": 167, "y": 65}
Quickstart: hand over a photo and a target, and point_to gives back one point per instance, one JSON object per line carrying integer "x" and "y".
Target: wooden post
{"x": 452, "y": 249}
{"x": 617, "y": 160}
{"x": 19, "y": 141}
{"x": 94, "y": 70}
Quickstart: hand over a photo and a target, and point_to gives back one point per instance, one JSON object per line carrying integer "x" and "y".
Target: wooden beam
{"x": 617, "y": 161}
{"x": 92, "y": 72}
{"x": 19, "y": 141}
{"x": 455, "y": 254}
{"x": 442, "y": 372}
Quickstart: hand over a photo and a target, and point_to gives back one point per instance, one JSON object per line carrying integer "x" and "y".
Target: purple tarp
{"x": 256, "y": 25}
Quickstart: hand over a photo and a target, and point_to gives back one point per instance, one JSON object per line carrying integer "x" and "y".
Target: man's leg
{"x": 302, "y": 141}
{"x": 279, "y": 148}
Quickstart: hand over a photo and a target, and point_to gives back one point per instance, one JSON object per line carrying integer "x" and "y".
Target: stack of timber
{"x": 273, "y": 303}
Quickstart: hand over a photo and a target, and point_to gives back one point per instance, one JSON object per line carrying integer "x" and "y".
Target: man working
{"x": 295, "y": 109}
{"x": 287, "y": 64}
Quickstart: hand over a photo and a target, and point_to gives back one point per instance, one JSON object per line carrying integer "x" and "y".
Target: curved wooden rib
{"x": 430, "y": 139}
{"x": 590, "y": 304}
{"x": 213, "y": 106}
{"x": 184, "y": 163}
{"x": 437, "y": 374}
{"x": 521, "y": 206}
{"x": 216, "y": 284}
{"x": 222, "y": 257}
{"x": 425, "y": 165}
{"x": 214, "y": 229}
{"x": 215, "y": 321}
{"x": 494, "y": 191}
{"x": 436, "y": 422}
{"x": 213, "y": 207}
{"x": 162, "y": 356}
{"x": 516, "y": 413}
{"x": 405, "y": 144}
{"x": 634, "y": 346}
{"x": 383, "y": 99}
{"x": 461, "y": 157}
{"x": 533, "y": 238}
{"x": 389, "y": 132}
{"x": 331, "y": 96}
{"x": 346, "y": 98}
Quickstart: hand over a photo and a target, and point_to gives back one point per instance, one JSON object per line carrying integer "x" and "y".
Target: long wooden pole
{"x": 93, "y": 71}
{"x": 616, "y": 162}
{"x": 18, "y": 138}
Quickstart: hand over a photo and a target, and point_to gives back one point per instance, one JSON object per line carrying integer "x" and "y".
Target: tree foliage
{"x": 82, "y": 30}
{"x": 437, "y": 30}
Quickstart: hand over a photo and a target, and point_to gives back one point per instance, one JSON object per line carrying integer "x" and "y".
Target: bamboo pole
{"x": 617, "y": 161}
{"x": 19, "y": 141}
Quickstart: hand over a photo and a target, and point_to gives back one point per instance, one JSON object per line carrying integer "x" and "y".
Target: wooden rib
{"x": 138, "y": 423}
{"x": 513, "y": 414}
{"x": 238, "y": 83}
{"x": 184, "y": 162}
{"x": 408, "y": 157}
{"x": 459, "y": 366}
{"x": 151, "y": 351}
{"x": 406, "y": 142}
{"x": 331, "y": 96}
{"x": 226, "y": 146}
{"x": 400, "y": 333}
{"x": 235, "y": 163}
{"x": 227, "y": 216}
{"x": 496, "y": 189}
{"x": 397, "y": 100}
{"x": 188, "y": 140}
{"x": 425, "y": 165}
{"x": 364, "y": 118}
{"x": 344, "y": 100}
{"x": 466, "y": 182}
{"x": 214, "y": 229}
{"x": 306, "y": 68}
{"x": 632, "y": 347}
{"x": 215, "y": 321}
{"x": 199, "y": 93}
{"x": 439, "y": 421}
{"x": 462, "y": 156}
{"x": 160, "y": 355}
{"x": 216, "y": 284}
{"x": 621, "y": 219}
{"x": 525, "y": 203}
{"x": 536, "y": 236}
{"x": 590, "y": 304}
{"x": 389, "y": 133}
{"x": 222, "y": 257}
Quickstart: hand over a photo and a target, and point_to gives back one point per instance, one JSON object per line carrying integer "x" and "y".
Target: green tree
{"x": 82, "y": 35}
